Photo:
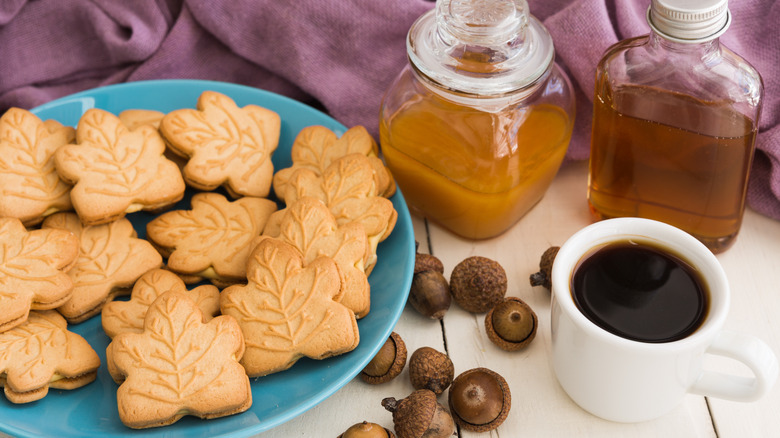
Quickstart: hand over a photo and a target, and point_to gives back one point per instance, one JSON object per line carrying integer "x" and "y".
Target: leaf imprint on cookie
{"x": 350, "y": 192}
{"x": 311, "y": 228}
{"x": 29, "y": 184}
{"x": 111, "y": 258}
{"x": 214, "y": 233}
{"x": 316, "y": 147}
{"x": 178, "y": 365}
{"x": 116, "y": 171}
{"x": 287, "y": 310}
{"x": 33, "y": 352}
{"x": 182, "y": 350}
{"x": 114, "y": 165}
{"x": 128, "y": 316}
{"x": 225, "y": 143}
{"x": 32, "y": 267}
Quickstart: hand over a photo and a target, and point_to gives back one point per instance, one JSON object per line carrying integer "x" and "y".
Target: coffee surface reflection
{"x": 640, "y": 292}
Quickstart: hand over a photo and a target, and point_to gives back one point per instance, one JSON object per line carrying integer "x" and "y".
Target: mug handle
{"x": 750, "y": 351}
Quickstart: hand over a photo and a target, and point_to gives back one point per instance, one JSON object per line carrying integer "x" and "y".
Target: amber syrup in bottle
{"x": 674, "y": 126}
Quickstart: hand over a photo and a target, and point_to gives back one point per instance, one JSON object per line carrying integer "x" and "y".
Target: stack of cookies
{"x": 36, "y": 349}
{"x": 295, "y": 279}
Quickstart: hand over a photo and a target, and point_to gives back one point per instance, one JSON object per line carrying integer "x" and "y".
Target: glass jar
{"x": 475, "y": 127}
{"x": 674, "y": 124}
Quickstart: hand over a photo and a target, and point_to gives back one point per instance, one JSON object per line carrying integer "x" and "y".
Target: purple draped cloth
{"x": 340, "y": 54}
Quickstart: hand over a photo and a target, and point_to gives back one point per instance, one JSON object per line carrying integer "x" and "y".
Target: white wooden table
{"x": 540, "y": 408}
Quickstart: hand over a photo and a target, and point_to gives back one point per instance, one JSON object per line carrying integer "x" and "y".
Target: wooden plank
{"x": 753, "y": 268}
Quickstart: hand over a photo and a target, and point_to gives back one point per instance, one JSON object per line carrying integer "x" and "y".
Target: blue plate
{"x": 91, "y": 411}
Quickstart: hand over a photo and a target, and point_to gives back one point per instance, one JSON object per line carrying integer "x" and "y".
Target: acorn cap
{"x": 427, "y": 262}
{"x": 413, "y": 414}
{"x": 513, "y": 311}
{"x": 396, "y": 366}
{"x": 478, "y": 283}
{"x": 431, "y": 369}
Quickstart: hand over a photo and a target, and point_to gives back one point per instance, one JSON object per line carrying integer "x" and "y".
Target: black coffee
{"x": 640, "y": 292}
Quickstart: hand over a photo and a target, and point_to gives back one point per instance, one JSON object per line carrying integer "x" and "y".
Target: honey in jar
{"x": 475, "y": 128}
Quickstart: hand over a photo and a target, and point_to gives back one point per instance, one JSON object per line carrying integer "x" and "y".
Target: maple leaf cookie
{"x": 178, "y": 366}
{"x": 111, "y": 258}
{"x": 33, "y": 270}
{"x": 225, "y": 145}
{"x": 309, "y": 226}
{"x": 213, "y": 239}
{"x": 316, "y": 147}
{"x": 30, "y": 187}
{"x": 128, "y": 316}
{"x": 116, "y": 171}
{"x": 350, "y": 193}
{"x": 42, "y": 354}
{"x": 287, "y": 310}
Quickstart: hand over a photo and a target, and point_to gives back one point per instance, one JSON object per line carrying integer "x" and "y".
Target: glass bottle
{"x": 674, "y": 124}
{"x": 475, "y": 127}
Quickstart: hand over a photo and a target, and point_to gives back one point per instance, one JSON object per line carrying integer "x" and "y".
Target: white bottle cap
{"x": 689, "y": 21}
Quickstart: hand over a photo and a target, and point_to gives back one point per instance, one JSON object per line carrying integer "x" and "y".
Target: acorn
{"x": 479, "y": 400}
{"x": 366, "y": 430}
{"x": 388, "y": 363}
{"x": 430, "y": 369}
{"x": 544, "y": 276}
{"x": 511, "y": 324}
{"x": 477, "y": 284}
{"x": 430, "y": 294}
{"x": 420, "y": 415}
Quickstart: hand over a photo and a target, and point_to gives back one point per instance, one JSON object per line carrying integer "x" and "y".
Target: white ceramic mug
{"x": 629, "y": 381}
